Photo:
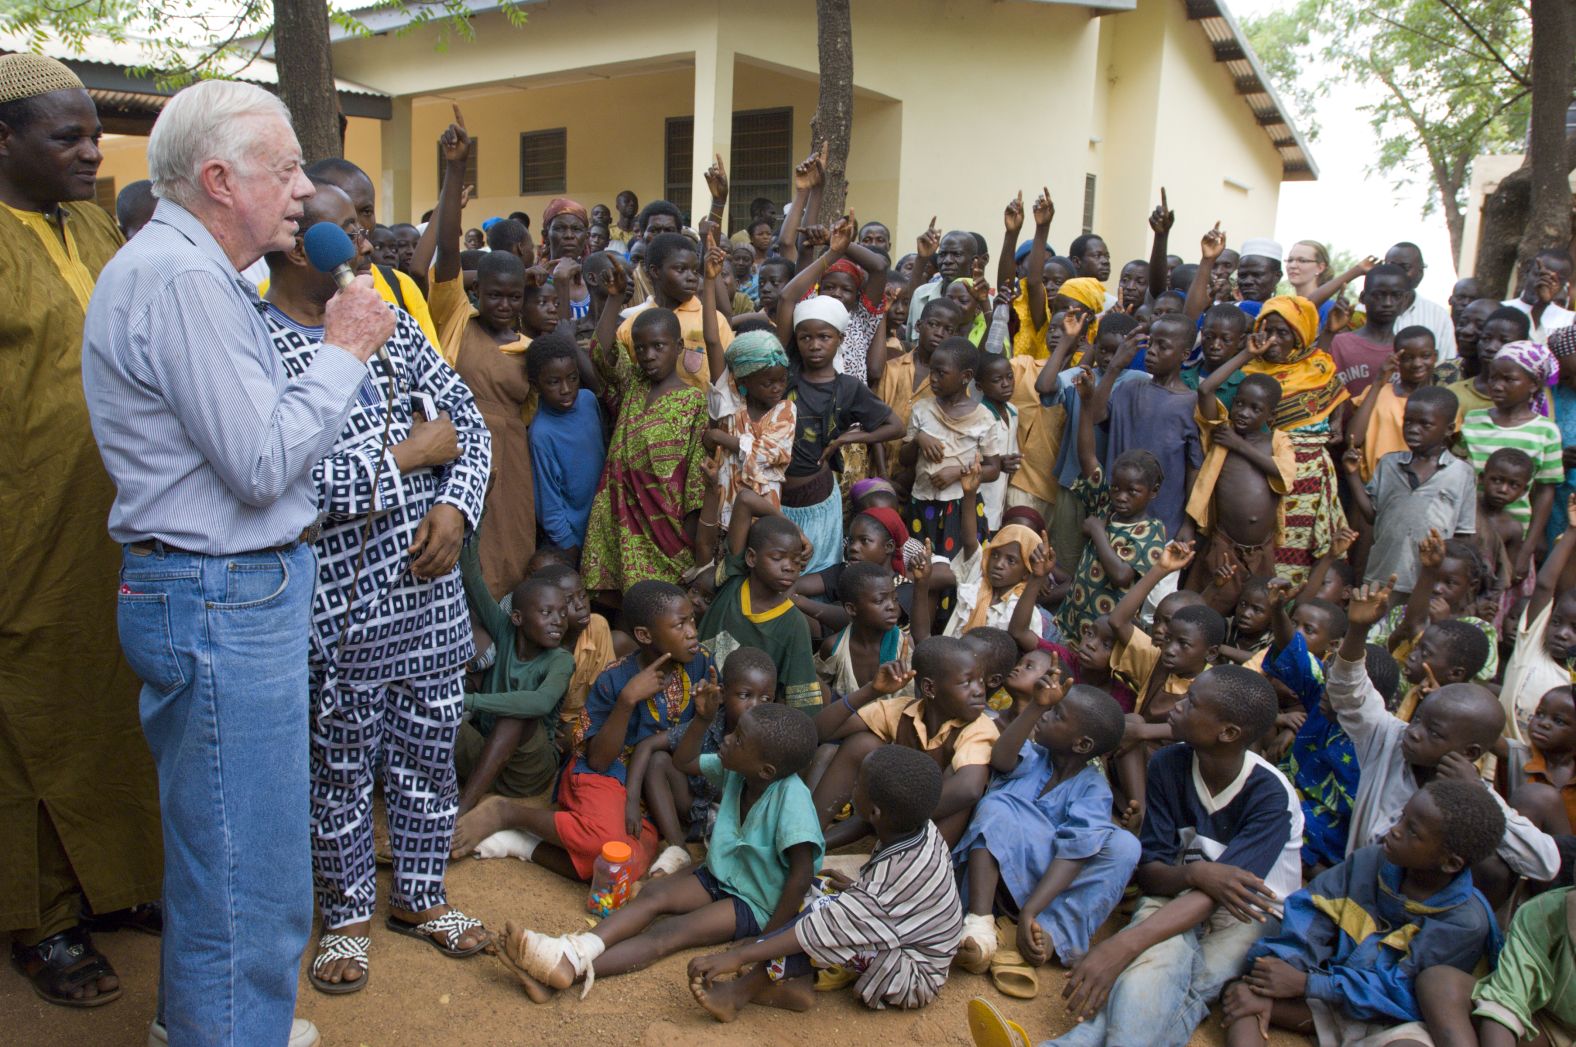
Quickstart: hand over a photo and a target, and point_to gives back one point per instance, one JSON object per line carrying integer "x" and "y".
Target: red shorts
{"x": 592, "y": 813}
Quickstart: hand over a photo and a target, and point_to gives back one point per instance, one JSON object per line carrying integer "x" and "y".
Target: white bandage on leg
{"x": 509, "y": 843}
{"x": 980, "y": 930}
{"x": 583, "y": 949}
{"x": 671, "y": 860}
{"x": 540, "y": 955}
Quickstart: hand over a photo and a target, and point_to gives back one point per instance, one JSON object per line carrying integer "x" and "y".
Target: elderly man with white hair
{"x": 211, "y": 445}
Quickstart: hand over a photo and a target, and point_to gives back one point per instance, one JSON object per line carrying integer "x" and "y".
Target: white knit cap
{"x": 1263, "y": 247}
{"x": 824, "y": 308}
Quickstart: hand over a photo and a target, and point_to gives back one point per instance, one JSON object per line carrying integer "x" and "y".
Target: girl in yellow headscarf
{"x": 1312, "y": 408}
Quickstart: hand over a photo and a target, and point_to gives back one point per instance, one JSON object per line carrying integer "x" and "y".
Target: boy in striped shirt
{"x": 898, "y": 925}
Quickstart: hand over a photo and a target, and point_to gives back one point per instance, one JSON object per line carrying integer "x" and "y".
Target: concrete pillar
{"x": 394, "y": 185}
{"x": 713, "y": 116}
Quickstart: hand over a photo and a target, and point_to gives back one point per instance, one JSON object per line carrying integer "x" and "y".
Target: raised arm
{"x": 1174, "y": 557}
{"x": 1034, "y": 279}
{"x": 1325, "y": 291}
{"x": 1213, "y": 243}
{"x": 842, "y": 235}
{"x": 1551, "y": 576}
{"x": 1012, "y": 219}
{"x": 1208, "y": 400}
{"x": 1048, "y": 691}
{"x": 455, "y": 145}
{"x": 1100, "y": 404}
{"x": 925, "y": 248}
{"x": 1042, "y": 562}
{"x": 716, "y": 258}
{"x": 1074, "y": 324}
{"x": 1430, "y": 555}
{"x": 1161, "y": 219}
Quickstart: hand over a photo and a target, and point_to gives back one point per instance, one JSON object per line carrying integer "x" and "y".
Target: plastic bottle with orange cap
{"x": 611, "y": 878}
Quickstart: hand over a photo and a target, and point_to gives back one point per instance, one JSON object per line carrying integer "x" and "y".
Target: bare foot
{"x": 1133, "y": 816}
{"x": 486, "y": 818}
{"x": 724, "y": 1000}
{"x": 509, "y": 956}
{"x": 347, "y": 969}
{"x": 794, "y": 994}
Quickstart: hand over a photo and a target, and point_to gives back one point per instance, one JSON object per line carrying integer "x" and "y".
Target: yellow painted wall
{"x": 126, "y": 156}
{"x": 1214, "y": 159}
{"x": 967, "y": 121}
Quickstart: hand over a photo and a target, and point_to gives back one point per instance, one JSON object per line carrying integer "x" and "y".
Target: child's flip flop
{"x": 1009, "y": 972}
{"x": 990, "y": 1028}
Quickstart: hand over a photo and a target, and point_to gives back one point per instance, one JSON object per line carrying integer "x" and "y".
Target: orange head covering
{"x": 1301, "y": 314}
{"x": 563, "y": 205}
{"x": 1027, "y": 541}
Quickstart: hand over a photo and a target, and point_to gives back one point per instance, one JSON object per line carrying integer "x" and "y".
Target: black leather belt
{"x": 153, "y": 545}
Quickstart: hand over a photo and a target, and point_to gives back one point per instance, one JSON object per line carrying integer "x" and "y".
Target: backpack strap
{"x": 391, "y": 276}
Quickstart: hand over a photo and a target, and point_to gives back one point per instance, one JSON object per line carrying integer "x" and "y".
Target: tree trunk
{"x": 1507, "y": 214}
{"x": 306, "y": 76}
{"x": 833, "y": 122}
{"x": 1553, "y": 51}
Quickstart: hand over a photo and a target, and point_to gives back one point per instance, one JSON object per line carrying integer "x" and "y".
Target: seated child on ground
{"x": 897, "y": 925}
{"x": 1452, "y": 728}
{"x": 1313, "y": 627}
{"x": 849, "y": 658}
{"x": 1447, "y": 652}
{"x": 998, "y": 655}
{"x": 1452, "y": 581}
{"x": 946, "y": 720}
{"x": 682, "y": 806}
{"x": 1041, "y": 848}
{"x": 1322, "y": 764}
{"x": 1545, "y": 788}
{"x": 1160, "y": 666}
{"x": 640, "y": 695}
{"x": 751, "y": 607}
{"x": 594, "y": 645}
{"x": 877, "y": 535}
{"x": 508, "y": 745}
{"x": 1220, "y": 851}
{"x": 1545, "y": 635}
{"x": 1343, "y": 973}
{"x": 765, "y": 850}
{"x": 1527, "y": 998}
{"x": 991, "y": 579}
{"x": 1251, "y": 629}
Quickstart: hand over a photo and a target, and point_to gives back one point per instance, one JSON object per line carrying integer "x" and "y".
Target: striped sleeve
{"x": 900, "y": 923}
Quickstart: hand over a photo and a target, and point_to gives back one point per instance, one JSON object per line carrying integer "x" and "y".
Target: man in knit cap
{"x": 79, "y": 813}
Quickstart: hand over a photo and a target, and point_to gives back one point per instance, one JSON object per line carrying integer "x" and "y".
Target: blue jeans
{"x": 1165, "y": 993}
{"x": 220, "y": 643}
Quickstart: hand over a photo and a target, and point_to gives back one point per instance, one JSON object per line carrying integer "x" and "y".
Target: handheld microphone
{"x": 329, "y": 249}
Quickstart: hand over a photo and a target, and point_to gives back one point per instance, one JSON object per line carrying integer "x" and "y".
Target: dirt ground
{"x": 417, "y": 996}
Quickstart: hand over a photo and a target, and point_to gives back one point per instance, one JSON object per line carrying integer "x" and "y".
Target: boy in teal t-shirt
{"x": 765, "y": 849}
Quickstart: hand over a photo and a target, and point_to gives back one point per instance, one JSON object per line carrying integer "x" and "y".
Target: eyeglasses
{"x": 357, "y": 234}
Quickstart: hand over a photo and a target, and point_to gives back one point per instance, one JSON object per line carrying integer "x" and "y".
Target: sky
{"x": 1350, "y": 208}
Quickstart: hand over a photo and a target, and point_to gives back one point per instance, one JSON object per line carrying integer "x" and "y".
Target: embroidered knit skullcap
{"x": 29, "y": 75}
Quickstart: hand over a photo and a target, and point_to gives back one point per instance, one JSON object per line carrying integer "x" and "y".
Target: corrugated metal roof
{"x": 1232, "y": 50}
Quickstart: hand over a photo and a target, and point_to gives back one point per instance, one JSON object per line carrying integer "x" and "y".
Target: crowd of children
{"x": 1206, "y": 642}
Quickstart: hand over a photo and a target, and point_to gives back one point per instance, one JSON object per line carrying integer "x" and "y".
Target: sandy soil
{"x": 418, "y": 996}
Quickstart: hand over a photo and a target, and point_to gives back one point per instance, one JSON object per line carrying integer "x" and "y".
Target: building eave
{"x": 1233, "y": 51}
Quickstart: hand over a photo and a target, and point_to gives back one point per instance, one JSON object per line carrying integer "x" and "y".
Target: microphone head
{"x": 328, "y": 247}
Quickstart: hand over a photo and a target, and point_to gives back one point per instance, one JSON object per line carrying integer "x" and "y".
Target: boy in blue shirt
{"x": 1353, "y": 942}
{"x": 764, "y": 851}
{"x": 567, "y": 445}
{"x": 1220, "y": 844}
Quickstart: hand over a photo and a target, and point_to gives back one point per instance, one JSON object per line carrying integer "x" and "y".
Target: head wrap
{"x": 1023, "y": 251}
{"x": 1537, "y": 361}
{"x": 845, "y": 265}
{"x": 1027, "y": 541}
{"x": 29, "y": 75}
{"x": 563, "y": 205}
{"x": 1086, "y": 291}
{"x": 824, "y": 308}
{"x": 1024, "y": 515}
{"x": 859, "y": 488}
{"x": 893, "y": 524}
{"x": 488, "y": 223}
{"x": 1301, "y": 314}
{"x": 1263, "y": 247}
{"x": 755, "y": 351}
